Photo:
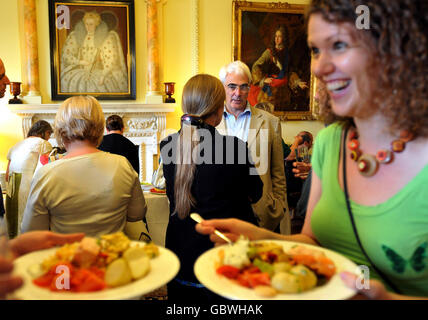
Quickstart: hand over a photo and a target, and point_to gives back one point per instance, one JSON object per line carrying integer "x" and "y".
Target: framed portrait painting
{"x": 92, "y": 49}
{"x": 271, "y": 39}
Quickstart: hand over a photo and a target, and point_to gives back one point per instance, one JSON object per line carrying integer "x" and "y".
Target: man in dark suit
{"x": 115, "y": 142}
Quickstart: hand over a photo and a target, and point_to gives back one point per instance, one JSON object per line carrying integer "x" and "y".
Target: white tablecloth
{"x": 157, "y": 219}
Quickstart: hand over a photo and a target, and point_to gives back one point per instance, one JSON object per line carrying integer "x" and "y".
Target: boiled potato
{"x": 286, "y": 282}
{"x": 281, "y": 267}
{"x": 265, "y": 291}
{"x": 118, "y": 273}
{"x": 308, "y": 278}
{"x": 138, "y": 262}
{"x": 151, "y": 250}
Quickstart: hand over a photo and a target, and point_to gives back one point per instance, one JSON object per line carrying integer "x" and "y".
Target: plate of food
{"x": 274, "y": 270}
{"x": 157, "y": 191}
{"x": 146, "y": 186}
{"x": 111, "y": 267}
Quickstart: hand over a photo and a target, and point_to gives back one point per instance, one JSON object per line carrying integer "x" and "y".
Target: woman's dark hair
{"x": 58, "y": 150}
{"x": 39, "y": 128}
{"x": 114, "y": 122}
{"x": 397, "y": 41}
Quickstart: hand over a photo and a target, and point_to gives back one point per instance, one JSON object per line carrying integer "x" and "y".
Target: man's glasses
{"x": 243, "y": 87}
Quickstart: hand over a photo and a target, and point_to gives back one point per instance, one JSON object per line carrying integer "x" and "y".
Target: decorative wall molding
{"x": 116, "y": 108}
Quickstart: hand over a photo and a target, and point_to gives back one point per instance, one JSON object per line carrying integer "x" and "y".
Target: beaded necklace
{"x": 368, "y": 164}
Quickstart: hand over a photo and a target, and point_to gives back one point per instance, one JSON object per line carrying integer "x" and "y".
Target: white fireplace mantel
{"x": 107, "y": 108}
{"x": 145, "y": 124}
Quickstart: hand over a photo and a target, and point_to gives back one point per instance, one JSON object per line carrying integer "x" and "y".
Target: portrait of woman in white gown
{"x": 92, "y": 58}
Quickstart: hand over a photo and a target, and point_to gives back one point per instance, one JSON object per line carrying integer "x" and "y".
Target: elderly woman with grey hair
{"x": 88, "y": 190}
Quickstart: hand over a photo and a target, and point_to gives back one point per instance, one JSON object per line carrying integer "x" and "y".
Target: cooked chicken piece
{"x": 86, "y": 253}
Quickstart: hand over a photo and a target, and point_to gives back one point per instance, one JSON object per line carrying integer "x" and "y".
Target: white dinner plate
{"x": 334, "y": 289}
{"x": 163, "y": 269}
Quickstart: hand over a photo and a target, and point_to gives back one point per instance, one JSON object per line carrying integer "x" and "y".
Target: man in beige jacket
{"x": 262, "y": 132}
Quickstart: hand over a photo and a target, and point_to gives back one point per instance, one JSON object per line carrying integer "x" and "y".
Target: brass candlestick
{"x": 15, "y": 89}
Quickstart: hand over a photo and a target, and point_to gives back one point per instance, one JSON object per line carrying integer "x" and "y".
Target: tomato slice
{"x": 44, "y": 281}
{"x": 243, "y": 280}
{"x": 48, "y": 280}
{"x": 251, "y": 280}
{"x": 251, "y": 269}
{"x": 100, "y": 273}
{"x": 257, "y": 279}
{"x": 77, "y": 278}
{"x": 92, "y": 283}
{"x": 230, "y": 272}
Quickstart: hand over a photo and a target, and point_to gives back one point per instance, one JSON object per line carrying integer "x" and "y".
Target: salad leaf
{"x": 252, "y": 252}
{"x": 264, "y": 266}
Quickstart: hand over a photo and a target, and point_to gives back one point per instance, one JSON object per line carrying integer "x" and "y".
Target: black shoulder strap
{"x": 348, "y": 205}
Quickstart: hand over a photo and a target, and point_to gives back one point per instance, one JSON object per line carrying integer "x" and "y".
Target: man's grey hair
{"x": 236, "y": 67}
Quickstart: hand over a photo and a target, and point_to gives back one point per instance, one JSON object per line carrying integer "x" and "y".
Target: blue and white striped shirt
{"x": 238, "y": 127}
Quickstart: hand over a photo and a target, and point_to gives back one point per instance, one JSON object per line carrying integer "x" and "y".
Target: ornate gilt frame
{"x": 240, "y": 7}
{"x": 59, "y": 34}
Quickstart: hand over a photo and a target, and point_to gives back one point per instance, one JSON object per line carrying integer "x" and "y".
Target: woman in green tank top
{"x": 371, "y": 65}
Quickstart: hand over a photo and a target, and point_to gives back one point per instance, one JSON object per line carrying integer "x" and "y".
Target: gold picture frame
{"x": 98, "y": 62}
{"x": 254, "y": 27}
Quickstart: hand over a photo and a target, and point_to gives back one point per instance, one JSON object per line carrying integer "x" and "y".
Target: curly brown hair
{"x": 397, "y": 39}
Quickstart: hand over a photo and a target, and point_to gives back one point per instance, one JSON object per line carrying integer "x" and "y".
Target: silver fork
{"x": 195, "y": 216}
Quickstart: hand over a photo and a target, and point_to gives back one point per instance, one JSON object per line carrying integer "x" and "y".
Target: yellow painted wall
{"x": 215, "y": 50}
{"x": 10, "y": 124}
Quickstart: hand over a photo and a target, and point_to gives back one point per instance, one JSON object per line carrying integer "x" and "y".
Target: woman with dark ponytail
{"x": 207, "y": 173}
